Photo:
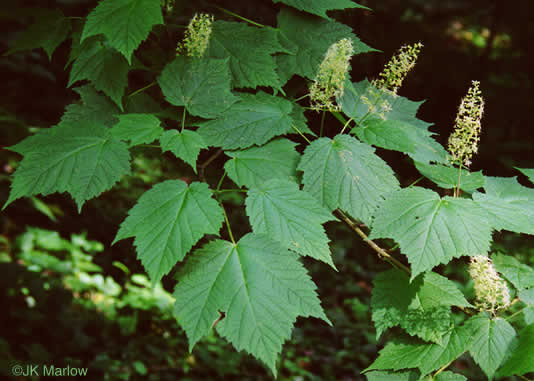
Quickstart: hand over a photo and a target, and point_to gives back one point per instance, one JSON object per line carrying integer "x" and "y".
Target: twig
{"x": 203, "y": 166}
{"x": 382, "y": 254}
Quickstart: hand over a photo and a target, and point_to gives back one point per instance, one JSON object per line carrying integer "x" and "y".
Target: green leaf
{"x": 528, "y": 313}
{"x": 447, "y": 177}
{"x": 447, "y": 376}
{"x": 185, "y": 145}
{"x": 520, "y": 275}
{"x": 137, "y": 128}
{"x": 256, "y": 119}
{"x": 260, "y": 286}
{"x": 527, "y": 296}
{"x": 50, "y": 30}
{"x": 432, "y": 230}
{"x": 420, "y": 307}
{"x": 407, "y": 354}
{"x": 509, "y": 204}
{"x": 437, "y": 290}
{"x": 249, "y": 50}
{"x": 402, "y": 136}
{"x": 94, "y": 107}
{"x": 401, "y": 131}
{"x": 290, "y": 216}
{"x": 392, "y": 294}
{"x": 125, "y": 23}
{"x": 299, "y": 120}
{"x": 521, "y": 360}
{"x": 250, "y": 167}
{"x": 390, "y": 376}
{"x": 82, "y": 159}
{"x": 344, "y": 173}
{"x": 529, "y": 172}
{"x": 402, "y": 109}
{"x": 103, "y": 66}
{"x": 201, "y": 85}
{"x": 429, "y": 324}
{"x": 167, "y": 221}
{"x": 311, "y": 37}
{"x": 319, "y": 7}
{"x": 489, "y": 342}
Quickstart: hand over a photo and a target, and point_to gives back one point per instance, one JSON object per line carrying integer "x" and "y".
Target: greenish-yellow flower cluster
{"x": 330, "y": 79}
{"x": 390, "y": 80}
{"x": 491, "y": 290}
{"x": 397, "y": 68}
{"x": 197, "y": 36}
{"x": 463, "y": 142}
{"x": 372, "y": 98}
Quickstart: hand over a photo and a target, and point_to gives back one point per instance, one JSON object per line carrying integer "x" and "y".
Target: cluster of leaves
{"x": 252, "y": 290}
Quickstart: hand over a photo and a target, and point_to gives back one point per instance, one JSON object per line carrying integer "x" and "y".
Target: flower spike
{"x": 397, "y": 68}
{"x": 491, "y": 290}
{"x": 197, "y": 36}
{"x": 330, "y": 80}
{"x": 463, "y": 142}
{"x": 390, "y": 80}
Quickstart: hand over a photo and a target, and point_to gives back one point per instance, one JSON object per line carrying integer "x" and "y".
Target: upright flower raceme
{"x": 491, "y": 290}
{"x": 390, "y": 79}
{"x": 463, "y": 142}
{"x": 330, "y": 79}
{"x": 397, "y": 68}
{"x": 197, "y": 36}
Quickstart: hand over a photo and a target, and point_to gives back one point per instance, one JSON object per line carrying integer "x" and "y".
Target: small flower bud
{"x": 463, "y": 142}
{"x": 330, "y": 79}
{"x": 491, "y": 290}
{"x": 397, "y": 68}
{"x": 197, "y": 36}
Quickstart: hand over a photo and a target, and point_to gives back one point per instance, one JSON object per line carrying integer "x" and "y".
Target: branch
{"x": 382, "y": 254}
{"x": 203, "y": 166}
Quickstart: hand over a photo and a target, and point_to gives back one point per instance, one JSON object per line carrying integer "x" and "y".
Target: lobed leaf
{"x": 125, "y": 23}
{"x": 137, "y": 128}
{"x": 103, "y": 66}
{"x": 290, "y": 216}
{"x": 93, "y": 106}
{"x": 344, "y": 173}
{"x": 521, "y": 362}
{"x": 260, "y": 286}
{"x": 490, "y": 341}
{"x": 310, "y": 38}
{"x": 421, "y": 307}
{"x": 517, "y": 273}
{"x": 50, "y": 30}
{"x": 251, "y": 167}
{"x": 447, "y": 177}
{"x": 432, "y": 230}
{"x": 167, "y": 221}
{"x": 254, "y": 120}
{"x": 427, "y": 357}
{"x": 400, "y": 131}
{"x": 185, "y": 145}
{"x": 201, "y": 85}
{"x": 82, "y": 159}
{"x": 249, "y": 50}
{"x": 509, "y": 205}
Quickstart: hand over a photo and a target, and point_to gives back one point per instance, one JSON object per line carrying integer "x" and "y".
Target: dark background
{"x": 489, "y": 41}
